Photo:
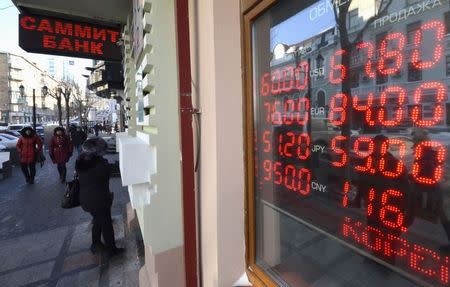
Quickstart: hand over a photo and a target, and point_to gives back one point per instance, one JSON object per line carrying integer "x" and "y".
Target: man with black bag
{"x": 93, "y": 173}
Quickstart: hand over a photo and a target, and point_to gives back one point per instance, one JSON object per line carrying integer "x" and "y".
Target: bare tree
{"x": 82, "y": 104}
{"x": 347, "y": 43}
{"x": 58, "y": 97}
{"x": 66, "y": 92}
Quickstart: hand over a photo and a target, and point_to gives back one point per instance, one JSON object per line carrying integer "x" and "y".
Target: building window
{"x": 414, "y": 74}
{"x": 321, "y": 99}
{"x": 411, "y": 30}
{"x": 447, "y": 66}
{"x": 447, "y": 22}
{"x": 412, "y": 2}
{"x": 319, "y": 62}
{"x": 353, "y": 19}
{"x": 354, "y": 76}
{"x": 320, "y": 66}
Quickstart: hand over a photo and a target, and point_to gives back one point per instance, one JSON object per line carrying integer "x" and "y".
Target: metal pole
{"x": 191, "y": 255}
{"x": 34, "y": 110}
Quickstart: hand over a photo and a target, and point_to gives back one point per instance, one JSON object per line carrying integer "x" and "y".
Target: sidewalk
{"x": 42, "y": 244}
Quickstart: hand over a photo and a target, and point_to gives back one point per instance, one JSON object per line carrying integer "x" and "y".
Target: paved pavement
{"x": 42, "y": 244}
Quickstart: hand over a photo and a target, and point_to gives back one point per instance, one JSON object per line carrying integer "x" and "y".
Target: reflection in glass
{"x": 351, "y": 132}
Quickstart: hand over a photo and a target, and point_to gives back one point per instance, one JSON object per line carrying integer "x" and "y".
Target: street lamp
{"x": 44, "y": 90}
{"x": 22, "y": 94}
{"x": 22, "y": 90}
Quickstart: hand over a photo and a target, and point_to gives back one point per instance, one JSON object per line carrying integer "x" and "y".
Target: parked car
{"x": 8, "y": 141}
{"x": 18, "y": 127}
{"x": 11, "y": 133}
{"x": 40, "y": 131}
{"x": 3, "y": 148}
{"x": 3, "y": 126}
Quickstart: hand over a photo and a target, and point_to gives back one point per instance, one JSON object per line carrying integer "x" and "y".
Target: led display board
{"x": 352, "y": 135}
{"x": 46, "y": 35}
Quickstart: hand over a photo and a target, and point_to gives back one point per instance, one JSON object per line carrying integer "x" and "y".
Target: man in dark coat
{"x": 60, "y": 151}
{"x": 28, "y": 146}
{"x": 93, "y": 174}
{"x": 96, "y": 129}
{"x": 78, "y": 137}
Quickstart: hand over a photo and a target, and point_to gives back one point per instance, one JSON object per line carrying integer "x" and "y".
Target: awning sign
{"x": 48, "y": 35}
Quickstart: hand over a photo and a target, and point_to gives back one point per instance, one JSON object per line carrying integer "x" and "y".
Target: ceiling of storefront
{"x": 106, "y": 11}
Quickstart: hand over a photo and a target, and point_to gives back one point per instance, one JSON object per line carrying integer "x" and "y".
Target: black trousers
{"x": 102, "y": 224}
{"x": 62, "y": 170}
{"x": 29, "y": 170}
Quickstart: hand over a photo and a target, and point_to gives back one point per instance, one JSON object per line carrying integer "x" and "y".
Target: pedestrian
{"x": 95, "y": 197}
{"x": 97, "y": 129}
{"x": 29, "y": 146}
{"x": 60, "y": 151}
{"x": 78, "y": 137}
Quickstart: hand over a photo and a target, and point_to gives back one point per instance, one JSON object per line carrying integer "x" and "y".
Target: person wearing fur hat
{"x": 60, "y": 151}
{"x": 28, "y": 145}
{"x": 95, "y": 197}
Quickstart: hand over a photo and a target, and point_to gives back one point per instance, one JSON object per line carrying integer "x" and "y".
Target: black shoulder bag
{"x": 72, "y": 195}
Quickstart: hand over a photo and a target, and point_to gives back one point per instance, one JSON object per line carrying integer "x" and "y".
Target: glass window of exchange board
{"x": 351, "y": 151}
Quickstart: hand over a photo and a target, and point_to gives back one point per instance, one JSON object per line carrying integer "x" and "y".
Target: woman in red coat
{"x": 60, "y": 151}
{"x": 28, "y": 146}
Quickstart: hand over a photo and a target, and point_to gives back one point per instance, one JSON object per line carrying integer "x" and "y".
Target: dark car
{"x": 40, "y": 131}
{"x": 11, "y": 133}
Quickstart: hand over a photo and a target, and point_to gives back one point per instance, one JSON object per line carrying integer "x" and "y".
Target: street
{"x": 42, "y": 244}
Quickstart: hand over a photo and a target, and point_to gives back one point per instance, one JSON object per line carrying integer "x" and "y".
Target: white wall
{"x": 216, "y": 61}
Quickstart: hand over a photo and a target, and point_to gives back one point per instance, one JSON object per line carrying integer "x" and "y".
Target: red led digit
{"x": 303, "y": 149}
{"x": 276, "y": 82}
{"x": 441, "y": 94}
{"x": 391, "y": 209}
{"x": 365, "y": 108}
{"x": 340, "y": 69}
{"x": 371, "y": 73}
{"x": 265, "y": 85}
{"x": 289, "y": 177}
{"x": 304, "y": 181}
{"x": 303, "y": 109}
{"x": 383, "y": 165}
{"x": 278, "y": 176}
{"x": 400, "y": 95}
{"x": 339, "y": 151}
{"x": 288, "y": 85}
{"x": 338, "y": 113}
{"x": 280, "y": 144}
{"x": 346, "y": 190}
{"x": 362, "y": 108}
{"x": 276, "y": 114}
{"x": 364, "y": 154}
{"x": 439, "y": 29}
{"x": 426, "y": 153}
{"x": 266, "y": 141}
{"x": 395, "y": 55}
{"x": 268, "y": 107}
{"x": 285, "y": 144}
{"x": 289, "y": 111}
{"x": 371, "y": 198}
{"x": 267, "y": 165}
{"x": 302, "y": 76}
{"x": 289, "y": 144}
